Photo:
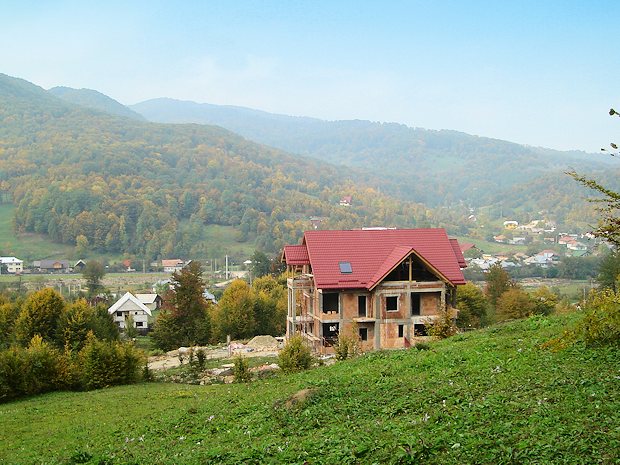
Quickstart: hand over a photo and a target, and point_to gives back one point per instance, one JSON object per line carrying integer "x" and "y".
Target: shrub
{"x": 201, "y": 359}
{"x": 106, "y": 363}
{"x": 295, "y": 356}
{"x": 348, "y": 344}
{"x": 241, "y": 370}
{"x": 441, "y": 327}
{"x": 13, "y": 364}
{"x": 600, "y": 325}
{"x": 42, "y": 372}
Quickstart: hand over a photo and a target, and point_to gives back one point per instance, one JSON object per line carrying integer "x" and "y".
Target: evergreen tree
{"x": 184, "y": 319}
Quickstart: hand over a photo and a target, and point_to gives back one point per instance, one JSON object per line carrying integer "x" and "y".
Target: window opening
{"x": 391, "y": 303}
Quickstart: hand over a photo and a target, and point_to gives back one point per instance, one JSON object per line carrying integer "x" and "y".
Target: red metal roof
{"x": 458, "y": 252}
{"x": 296, "y": 255}
{"x": 372, "y": 254}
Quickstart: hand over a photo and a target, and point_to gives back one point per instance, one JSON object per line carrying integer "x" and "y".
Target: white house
{"x": 130, "y": 305}
{"x": 152, "y": 301}
{"x": 173, "y": 265}
{"x": 13, "y": 265}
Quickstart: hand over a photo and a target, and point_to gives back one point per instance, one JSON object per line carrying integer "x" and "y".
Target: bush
{"x": 106, "y": 363}
{"x": 441, "y": 327}
{"x": 241, "y": 370}
{"x": 13, "y": 365}
{"x": 600, "y": 325}
{"x": 42, "y": 372}
{"x": 347, "y": 345}
{"x": 295, "y": 356}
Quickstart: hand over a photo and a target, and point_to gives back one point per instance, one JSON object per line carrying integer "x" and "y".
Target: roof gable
{"x": 129, "y": 297}
{"x": 295, "y": 255}
{"x": 373, "y": 253}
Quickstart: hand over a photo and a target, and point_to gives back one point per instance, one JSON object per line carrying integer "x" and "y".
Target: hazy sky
{"x": 534, "y": 72}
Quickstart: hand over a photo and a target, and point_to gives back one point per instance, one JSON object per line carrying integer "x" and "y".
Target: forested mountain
{"x": 95, "y": 100}
{"x": 433, "y": 167}
{"x": 119, "y": 185}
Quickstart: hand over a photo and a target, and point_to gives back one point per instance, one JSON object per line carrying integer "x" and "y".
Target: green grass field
{"x": 488, "y": 397}
{"x": 493, "y": 247}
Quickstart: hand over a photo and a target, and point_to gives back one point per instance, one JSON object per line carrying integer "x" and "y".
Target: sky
{"x": 541, "y": 73}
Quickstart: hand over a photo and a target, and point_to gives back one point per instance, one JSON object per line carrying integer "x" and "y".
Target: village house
{"x": 13, "y": 264}
{"x": 52, "y": 266}
{"x": 346, "y": 201}
{"x": 173, "y": 265}
{"x": 130, "y": 305}
{"x": 384, "y": 284}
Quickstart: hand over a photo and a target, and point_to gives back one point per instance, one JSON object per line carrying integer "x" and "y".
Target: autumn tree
{"x": 472, "y": 305}
{"x": 9, "y": 312}
{"x": 235, "y": 312}
{"x": 513, "y": 304}
{"x": 184, "y": 318}
{"x": 41, "y": 314}
{"x": 270, "y": 306}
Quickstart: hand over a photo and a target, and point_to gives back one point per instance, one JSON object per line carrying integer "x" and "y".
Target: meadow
{"x": 489, "y": 396}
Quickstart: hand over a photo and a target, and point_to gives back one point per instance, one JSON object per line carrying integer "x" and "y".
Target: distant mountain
{"x": 118, "y": 185}
{"x": 95, "y": 100}
{"x": 434, "y": 167}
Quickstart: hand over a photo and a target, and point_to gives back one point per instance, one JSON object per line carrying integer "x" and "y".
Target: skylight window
{"x": 345, "y": 267}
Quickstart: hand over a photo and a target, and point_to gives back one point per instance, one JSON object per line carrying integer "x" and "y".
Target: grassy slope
{"x": 486, "y": 397}
{"x": 30, "y": 246}
{"x": 27, "y": 246}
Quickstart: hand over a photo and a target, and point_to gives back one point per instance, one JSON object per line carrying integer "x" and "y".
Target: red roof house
{"x": 387, "y": 283}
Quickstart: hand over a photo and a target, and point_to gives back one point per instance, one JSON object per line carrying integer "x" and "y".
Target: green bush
{"x": 44, "y": 362}
{"x": 13, "y": 365}
{"x": 600, "y": 325}
{"x": 241, "y": 370}
{"x": 109, "y": 363}
{"x": 295, "y": 356}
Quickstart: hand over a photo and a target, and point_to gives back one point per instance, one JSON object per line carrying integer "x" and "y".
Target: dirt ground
{"x": 260, "y": 346}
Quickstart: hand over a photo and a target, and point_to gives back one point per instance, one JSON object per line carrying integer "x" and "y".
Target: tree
{"x": 41, "y": 314}
{"x": 270, "y": 306}
{"x": 261, "y": 265}
{"x": 472, "y": 306}
{"x": 544, "y": 300}
{"x": 497, "y": 282}
{"x": 184, "y": 319}
{"x": 235, "y": 313}
{"x": 609, "y": 223}
{"x": 609, "y": 271}
{"x": 514, "y": 303}
{"x": 93, "y": 272}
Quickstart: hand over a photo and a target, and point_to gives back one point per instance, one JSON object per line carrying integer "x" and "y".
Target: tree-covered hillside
{"x": 95, "y": 100}
{"x": 432, "y": 167}
{"x": 118, "y": 185}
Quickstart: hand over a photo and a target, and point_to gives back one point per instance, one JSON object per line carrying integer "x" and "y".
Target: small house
{"x": 13, "y": 264}
{"x": 130, "y": 305}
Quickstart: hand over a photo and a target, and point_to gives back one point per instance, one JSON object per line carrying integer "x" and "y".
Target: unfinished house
{"x": 383, "y": 284}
